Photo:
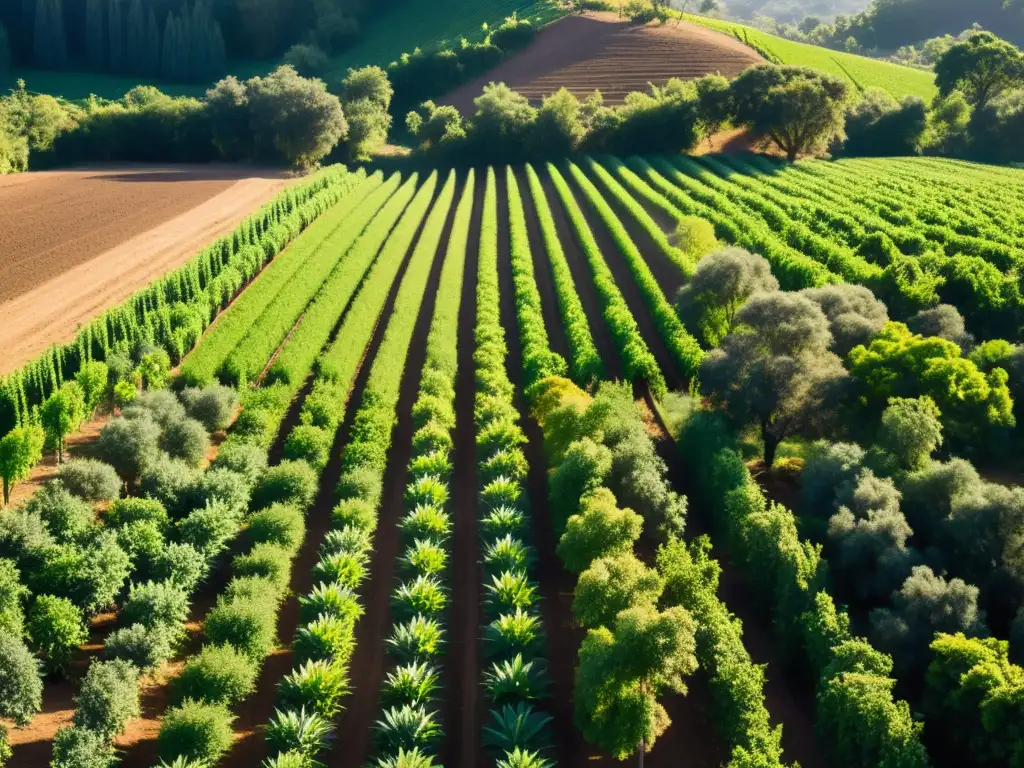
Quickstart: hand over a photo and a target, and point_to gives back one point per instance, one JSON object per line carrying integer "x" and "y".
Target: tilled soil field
{"x": 600, "y": 51}
{"x": 73, "y": 243}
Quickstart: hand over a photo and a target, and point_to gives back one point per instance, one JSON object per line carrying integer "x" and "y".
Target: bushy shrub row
{"x": 515, "y": 676}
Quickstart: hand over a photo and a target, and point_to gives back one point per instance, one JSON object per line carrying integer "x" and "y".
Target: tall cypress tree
{"x": 116, "y": 36}
{"x": 95, "y": 34}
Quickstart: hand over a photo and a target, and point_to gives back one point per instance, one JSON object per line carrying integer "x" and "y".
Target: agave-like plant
{"x": 428, "y": 489}
{"x": 518, "y": 727}
{"x": 510, "y": 463}
{"x": 411, "y": 684}
{"x": 437, "y": 463}
{"x": 515, "y": 680}
{"x": 513, "y": 633}
{"x": 519, "y": 758}
{"x": 345, "y": 569}
{"x": 181, "y": 761}
{"x": 506, "y": 554}
{"x": 407, "y": 728}
{"x": 426, "y": 521}
{"x": 509, "y": 591}
{"x": 331, "y": 600}
{"x": 424, "y": 594}
{"x": 318, "y": 685}
{"x": 502, "y": 521}
{"x": 326, "y": 638}
{"x": 298, "y": 731}
{"x": 418, "y": 639}
{"x": 291, "y": 759}
{"x": 501, "y": 434}
{"x": 350, "y": 540}
{"x": 501, "y": 491}
{"x": 412, "y": 758}
{"x": 425, "y": 557}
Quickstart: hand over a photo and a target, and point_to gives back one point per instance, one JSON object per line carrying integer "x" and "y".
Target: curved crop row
{"x": 311, "y": 695}
{"x": 586, "y": 362}
{"x": 637, "y": 360}
{"x": 538, "y": 359}
{"x": 683, "y": 346}
{"x": 515, "y": 677}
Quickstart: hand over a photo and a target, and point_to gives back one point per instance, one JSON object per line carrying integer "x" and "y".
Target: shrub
{"x": 407, "y": 728}
{"x": 426, "y": 522}
{"x": 195, "y": 730}
{"x": 161, "y": 404}
{"x": 213, "y": 405}
{"x": 363, "y": 482}
{"x": 66, "y": 516}
{"x": 21, "y": 687}
{"x": 129, "y": 445}
{"x": 90, "y": 479}
{"x": 427, "y": 490}
{"x": 301, "y": 732}
{"x": 290, "y": 482}
{"x": 170, "y": 482}
{"x": 12, "y": 592}
{"x": 138, "y": 645}
{"x": 56, "y": 628}
{"x": 418, "y": 639}
{"x": 91, "y": 576}
{"x": 249, "y": 624}
{"x": 180, "y": 564}
{"x": 186, "y": 439}
{"x": 279, "y": 524}
{"x": 317, "y": 686}
{"x": 326, "y": 638}
{"x": 76, "y": 747}
{"x": 410, "y": 684}
{"x": 218, "y": 674}
{"x": 349, "y": 540}
{"x": 330, "y": 600}
{"x": 109, "y": 698}
{"x": 207, "y": 529}
{"x": 310, "y": 444}
{"x": 219, "y": 485}
{"x": 156, "y": 606}
{"x": 356, "y": 512}
{"x": 143, "y": 542}
{"x": 422, "y": 595}
{"x": 267, "y": 561}
{"x": 242, "y": 458}
{"x": 308, "y": 60}
{"x": 132, "y": 510}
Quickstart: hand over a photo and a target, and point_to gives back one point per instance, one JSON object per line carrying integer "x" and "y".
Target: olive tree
{"x": 721, "y": 284}
{"x": 944, "y": 321}
{"x": 981, "y": 67}
{"x": 20, "y": 450}
{"x": 775, "y": 369}
{"x": 854, "y": 314}
{"x": 622, "y": 671}
{"x": 800, "y": 110}
{"x": 911, "y": 431}
{"x": 21, "y": 686}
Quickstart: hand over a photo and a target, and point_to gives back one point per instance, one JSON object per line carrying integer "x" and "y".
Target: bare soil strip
{"x": 369, "y": 661}
{"x": 584, "y": 285}
{"x": 463, "y": 705}
{"x": 74, "y": 243}
{"x": 601, "y": 51}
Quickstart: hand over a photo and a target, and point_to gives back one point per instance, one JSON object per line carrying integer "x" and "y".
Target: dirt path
{"x": 602, "y": 51}
{"x": 74, "y": 243}
{"x": 584, "y": 285}
{"x": 463, "y": 704}
{"x": 370, "y": 659}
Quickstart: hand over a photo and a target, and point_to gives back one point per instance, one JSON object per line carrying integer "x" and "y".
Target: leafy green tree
{"x": 92, "y": 378}
{"x": 612, "y": 585}
{"x": 12, "y": 592}
{"x": 799, "y": 110}
{"x": 982, "y": 67}
{"x": 61, "y": 414}
{"x": 854, "y": 314}
{"x": 366, "y": 100}
{"x": 20, "y": 450}
{"x": 623, "y": 670}
{"x": 774, "y": 370}
{"x": 720, "y": 286}
{"x": 911, "y": 431}
{"x": 56, "y": 628}
{"x": 600, "y": 529}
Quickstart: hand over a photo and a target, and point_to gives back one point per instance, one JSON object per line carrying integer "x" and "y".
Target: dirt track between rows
{"x": 600, "y": 51}
{"x": 73, "y": 243}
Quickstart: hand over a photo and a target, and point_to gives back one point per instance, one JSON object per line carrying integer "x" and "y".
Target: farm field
{"x": 73, "y": 243}
{"x": 600, "y": 51}
{"x": 405, "y": 353}
{"x": 860, "y": 71}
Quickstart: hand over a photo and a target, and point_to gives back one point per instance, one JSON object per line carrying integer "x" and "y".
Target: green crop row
{"x": 540, "y": 362}
{"x": 683, "y": 347}
{"x": 236, "y": 322}
{"x": 637, "y": 359}
{"x": 421, "y": 597}
{"x": 173, "y": 311}
{"x": 515, "y": 675}
{"x": 586, "y": 362}
{"x": 245, "y": 364}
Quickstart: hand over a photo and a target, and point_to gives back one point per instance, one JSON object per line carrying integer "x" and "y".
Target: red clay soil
{"x": 630, "y": 292}
{"x": 583, "y": 282}
{"x": 370, "y": 659}
{"x": 600, "y": 51}
{"x": 73, "y": 243}
{"x": 464, "y": 706}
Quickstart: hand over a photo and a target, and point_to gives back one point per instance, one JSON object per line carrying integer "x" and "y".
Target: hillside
{"x": 861, "y": 71}
{"x": 599, "y": 51}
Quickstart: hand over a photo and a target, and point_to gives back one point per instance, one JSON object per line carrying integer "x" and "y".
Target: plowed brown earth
{"x": 602, "y": 51}
{"x": 73, "y": 243}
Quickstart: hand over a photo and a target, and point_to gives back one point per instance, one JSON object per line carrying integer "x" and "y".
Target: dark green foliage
{"x": 89, "y": 479}
{"x": 108, "y": 698}
{"x": 242, "y": 458}
{"x": 310, "y": 444}
{"x": 21, "y": 686}
{"x": 91, "y": 576}
{"x": 185, "y": 439}
{"x": 279, "y": 524}
{"x": 169, "y": 482}
{"x": 981, "y": 67}
{"x": 129, "y": 445}
{"x": 247, "y": 623}
{"x": 144, "y": 647}
{"x": 55, "y": 628}
{"x": 67, "y": 517}
{"x": 133, "y": 509}
{"x": 220, "y": 486}
{"x": 195, "y": 730}
{"x": 217, "y": 675}
{"x": 80, "y": 747}
{"x": 879, "y": 126}
{"x": 268, "y": 561}
{"x": 290, "y": 482}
